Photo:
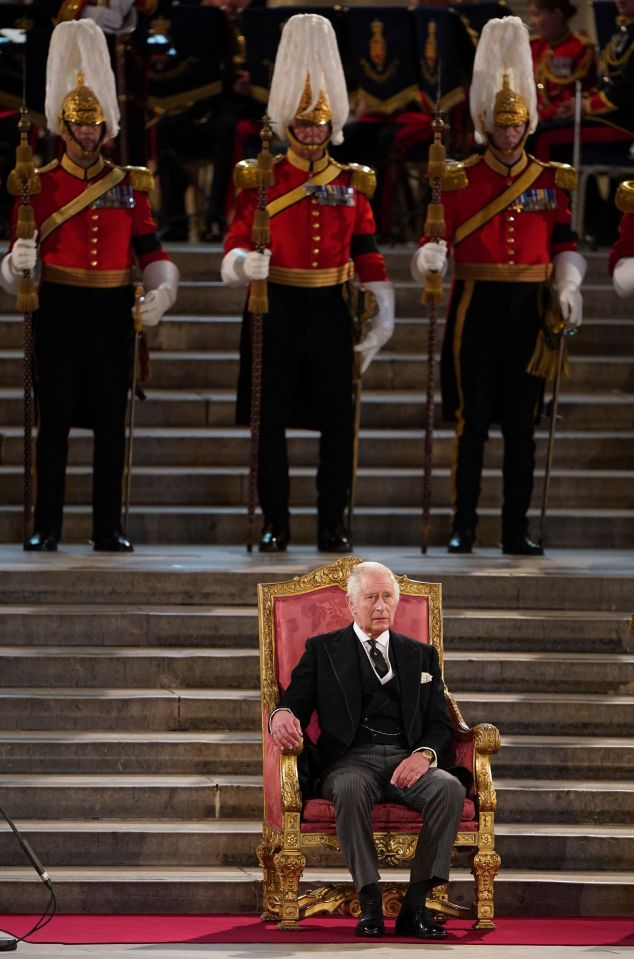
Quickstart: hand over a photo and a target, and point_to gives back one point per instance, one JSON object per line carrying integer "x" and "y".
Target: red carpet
{"x": 80, "y": 929}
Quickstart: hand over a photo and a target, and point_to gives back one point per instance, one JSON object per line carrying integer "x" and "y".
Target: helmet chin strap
{"x": 98, "y": 146}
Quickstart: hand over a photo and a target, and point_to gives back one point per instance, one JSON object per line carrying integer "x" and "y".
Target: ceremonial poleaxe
{"x": 359, "y": 313}
{"x": 23, "y": 182}
{"x": 257, "y": 306}
{"x": 138, "y": 333}
{"x": 432, "y": 297}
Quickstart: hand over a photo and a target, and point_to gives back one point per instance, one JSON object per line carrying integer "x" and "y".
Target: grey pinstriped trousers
{"x": 361, "y": 778}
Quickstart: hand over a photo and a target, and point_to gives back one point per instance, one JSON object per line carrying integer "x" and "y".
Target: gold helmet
{"x": 81, "y": 106}
{"x": 509, "y": 109}
{"x": 320, "y": 112}
{"x": 80, "y": 84}
{"x": 503, "y": 88}
{"x": 308, "y": 81}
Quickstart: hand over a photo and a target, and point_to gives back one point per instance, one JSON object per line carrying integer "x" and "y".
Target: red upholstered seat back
{"x": 297, "y": 618}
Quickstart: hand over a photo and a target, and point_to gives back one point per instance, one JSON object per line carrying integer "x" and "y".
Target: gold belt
{"x": 327, "y": 277}
{"x": 74, "y": 276}
{"x": 510, "y": 272}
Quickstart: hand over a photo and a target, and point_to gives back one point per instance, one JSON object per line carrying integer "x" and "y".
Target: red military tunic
{"x": 557, "y": 67}
{"x": 96, "y": 247}
{"x": 624, "y": 245}
{"x": 313, "y": 243}
{"x": 612, "y": 101}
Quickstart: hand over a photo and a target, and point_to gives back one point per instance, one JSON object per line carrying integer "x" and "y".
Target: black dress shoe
{"x": 115, "y": 543}
{"x": 461, "y": 541}
{"x": 521, "y": 546}
{"x": 274, "y": 538}
{"x": 41, "y": 543}
{"x": 418, "y": 922}
{"x": 370, "y": 924}
{"x": 333, "y": 539}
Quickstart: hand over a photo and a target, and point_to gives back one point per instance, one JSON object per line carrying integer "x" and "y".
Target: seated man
{"x": 385, "y": 732}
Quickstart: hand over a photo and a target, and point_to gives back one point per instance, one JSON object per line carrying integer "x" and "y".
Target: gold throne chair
{"x": 295, "y": 830}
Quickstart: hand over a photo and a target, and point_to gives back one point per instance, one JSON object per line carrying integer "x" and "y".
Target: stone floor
{"x": 375, "y": 951}
{"x": 299, "y": 559}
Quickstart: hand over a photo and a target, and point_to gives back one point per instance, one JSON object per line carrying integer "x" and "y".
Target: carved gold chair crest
{"x": 295, "y": 831}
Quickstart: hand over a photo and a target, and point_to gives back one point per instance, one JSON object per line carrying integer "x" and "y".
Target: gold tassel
{"x": 265, "y": 177}
{"x": 260, "y": 233}
{"x": 258, "y": 297}
{"x": 543, "y": 362}
{"x": 436, "y": 166}
{"x": 25, "y": 226}
{"x": 27, "y": 301}
{"x": 435, "y": 221}
{"x": 433, "y": 292}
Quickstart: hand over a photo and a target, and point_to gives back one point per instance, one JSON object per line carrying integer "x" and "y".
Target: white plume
{"x": 308, "y": 46}
{"x": 504, "y": 47}
{"x": 80, "y": 46}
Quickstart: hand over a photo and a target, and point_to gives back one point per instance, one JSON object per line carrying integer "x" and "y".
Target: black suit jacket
{"x": 327, "y": 679}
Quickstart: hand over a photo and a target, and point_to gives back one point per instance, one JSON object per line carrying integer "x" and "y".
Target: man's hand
{"x": 153, "y": 305}
{"x": 410, "y": 770}
{"x": 24, "y": 255}
{"x": 256, "y": 265}
{"x": 286, "y": 731}
{"x": 571, "y": 304}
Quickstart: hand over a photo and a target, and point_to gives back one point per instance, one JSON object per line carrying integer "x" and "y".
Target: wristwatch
{"x": 428, "y": 754}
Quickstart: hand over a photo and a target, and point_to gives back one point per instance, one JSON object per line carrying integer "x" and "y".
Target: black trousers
{"x": 491, "y": 332}
{"x": 83, "y": 351}
{"x": 307, "y": 384}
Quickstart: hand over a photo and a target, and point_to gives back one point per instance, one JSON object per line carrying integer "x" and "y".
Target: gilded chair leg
{"x": 266, "y": 853}
{"x": 485, "y": 866}
{"x": 289, "y": 867}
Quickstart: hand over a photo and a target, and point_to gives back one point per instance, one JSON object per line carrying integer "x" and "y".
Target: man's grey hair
{"x": 358, "y": 574}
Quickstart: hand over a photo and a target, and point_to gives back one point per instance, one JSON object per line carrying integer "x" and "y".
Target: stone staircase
{"x": 190, "y": 474}
{"x": 129, "y": 725}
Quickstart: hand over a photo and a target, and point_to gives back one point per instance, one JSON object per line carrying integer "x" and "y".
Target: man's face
{"x": 374, "y": 606}
{"x": 311, "y": 134}
{"x": 87, "y": 139}
{"x": 507, "y": 140}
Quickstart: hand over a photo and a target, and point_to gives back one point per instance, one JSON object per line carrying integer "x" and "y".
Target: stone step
{"x": 381, "y": 486}
{"x": 217, "y": 627}
{"x": 225, "y": 577}
{"x": 139, "y": 753}
{"x": 205, "y": 889}
{"x": 232, "y": 842}
{"x": 170, "y": 796}
{"x": 30, "y": 708}
{"x": 181, "y": 667}
{"x": 575, "y": 449}
{"x": 401, "y": 409}
{"x": 564, "y": 757}
{"x": 601, "y": 334}
{"x": 389, "y": 370}
{"x": 570, "y": 528}
{"x": 211, "y": 796}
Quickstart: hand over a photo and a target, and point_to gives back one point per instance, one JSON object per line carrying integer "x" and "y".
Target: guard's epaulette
{"x": 625, "y": 197}
{"x": 566, "y": 177}
{"x": 245, "y": 175}
{"x": 454, "y": 177}
{"x": 140, "y": 178}
{"x": 363, "y": 178}
{"x": 49, "y": 166}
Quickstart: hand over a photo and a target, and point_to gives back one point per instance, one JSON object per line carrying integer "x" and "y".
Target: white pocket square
{"x": 426, "y": 677}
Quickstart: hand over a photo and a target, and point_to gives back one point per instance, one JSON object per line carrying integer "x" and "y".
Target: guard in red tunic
{"x": 93, "y": 221}
{"x": 560, "y": 56}
{"x": 322, "y": 233}
{"x": 508, "y": 226}
{"x": 621, "y": 263}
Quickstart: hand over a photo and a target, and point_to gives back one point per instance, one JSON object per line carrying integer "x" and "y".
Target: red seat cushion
{"x": 319, "y": 816}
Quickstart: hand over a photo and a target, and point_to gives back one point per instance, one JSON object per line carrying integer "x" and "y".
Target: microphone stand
{"x": 10, "y": 943}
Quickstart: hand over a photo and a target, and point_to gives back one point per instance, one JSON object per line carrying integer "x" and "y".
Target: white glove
{"x": 570, "y": 270}
{"x": 239, "y": 266}
{"x": 24, "y": 255}
{"x": 160, "y": 280}
{"x": 153, "y": 305}
{"x": 109, "y": 18}
{"x": 381, "y": 325}
{"x": 623, "y": 276}
{"x": 432, "y": 257}
{"x": 571, "y": 303}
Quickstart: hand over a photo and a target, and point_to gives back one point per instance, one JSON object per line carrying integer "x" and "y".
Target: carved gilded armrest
{"x": 484, "y": 740}
{"x": 291, "y": 795}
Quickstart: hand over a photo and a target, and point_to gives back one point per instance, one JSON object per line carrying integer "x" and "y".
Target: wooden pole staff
{"x": 258, "y": 305}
